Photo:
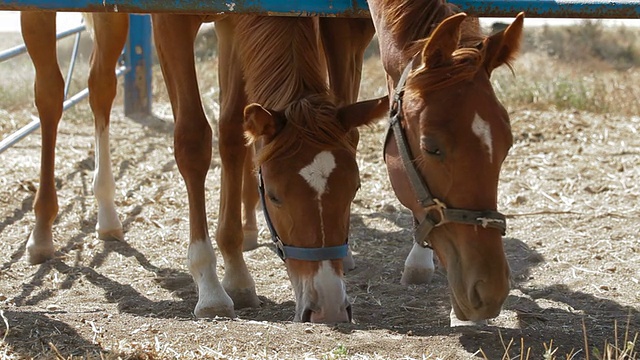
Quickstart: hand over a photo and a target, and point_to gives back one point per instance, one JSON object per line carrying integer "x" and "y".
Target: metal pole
{"x": 21, "y": 49}
{"x": 72, "y": 64}
{"x": 138, "y": 54}
{"x": 35, "y": 122}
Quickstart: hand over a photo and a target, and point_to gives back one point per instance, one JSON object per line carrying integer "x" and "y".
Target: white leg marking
{"x": 104, "y": 188}
{"x": 420, "y": 257}
{"x": 418, "y": 267}
{"x": 317, "y": 174}
{"x": 212, "y": 299}
{"x": 482, "y": 129}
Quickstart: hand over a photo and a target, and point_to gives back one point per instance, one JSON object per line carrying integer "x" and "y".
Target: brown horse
{"x": 448, "y": 137}
{"x": 274, "y": 92}
{"x": 39, "y": 33}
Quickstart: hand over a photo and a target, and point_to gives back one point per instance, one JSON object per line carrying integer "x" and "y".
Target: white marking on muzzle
{"x": 332, "y": 294}
{"x": 482, "y": 129}
{"x": 317, "y": 174}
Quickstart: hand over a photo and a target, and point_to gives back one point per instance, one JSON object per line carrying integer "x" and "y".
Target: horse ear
{"x": 363, "y": 112}
{"x": 259, "y": 121}
{"x": 502, "y": 47}
{"x": 443, "y": 42}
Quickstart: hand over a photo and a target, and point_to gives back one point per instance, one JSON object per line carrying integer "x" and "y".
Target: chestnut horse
{"x": 448, "y": 137}
{"x": 39, "y": 34}
{"x": 274, "y": 92}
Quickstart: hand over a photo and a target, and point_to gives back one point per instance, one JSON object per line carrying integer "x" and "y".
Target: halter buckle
{"x": 439, "y": 207}
{"x": 279, "y": 248}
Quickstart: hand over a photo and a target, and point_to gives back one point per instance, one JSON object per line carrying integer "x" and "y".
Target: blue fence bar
{"x": 629, "y": 9}
{"x": 138, "y": 53}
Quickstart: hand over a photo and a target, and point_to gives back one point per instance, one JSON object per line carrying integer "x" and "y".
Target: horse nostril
{"x": 349, "y": 313}
{"x": 306, "y": 315}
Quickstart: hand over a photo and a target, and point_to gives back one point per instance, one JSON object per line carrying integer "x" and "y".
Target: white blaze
{"x": 482, "y": 129}
{"x": 317, "y": 173}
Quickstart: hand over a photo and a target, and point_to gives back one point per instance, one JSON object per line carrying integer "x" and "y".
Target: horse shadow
{"x": 129, "y": 300}
{"x": 380, "y": 302}
{"x": 31, "y": 332}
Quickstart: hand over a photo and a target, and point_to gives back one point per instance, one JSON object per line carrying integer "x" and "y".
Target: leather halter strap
{"x": 294, "y": 252}
{"x": 486, "y": 218}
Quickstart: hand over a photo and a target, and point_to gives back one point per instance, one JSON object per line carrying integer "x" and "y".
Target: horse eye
{"x": 430, "y": 146}
{"x": 434, "y": 152}
{"x": 274, "y": 199}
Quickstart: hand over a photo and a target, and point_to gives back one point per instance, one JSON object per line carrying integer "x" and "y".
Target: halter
{"x": 294, "y": 252}
{"x": 486, "y": 218}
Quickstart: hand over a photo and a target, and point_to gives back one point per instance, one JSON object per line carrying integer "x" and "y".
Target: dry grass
{"x": 586, "y": 67}
{"x": 621, "y": 349}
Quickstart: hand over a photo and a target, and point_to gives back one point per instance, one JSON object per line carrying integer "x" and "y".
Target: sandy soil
{"x": 570, "y": 188}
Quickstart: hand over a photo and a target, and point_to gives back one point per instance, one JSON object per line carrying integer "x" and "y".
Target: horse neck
{"x": 282, "y": 59}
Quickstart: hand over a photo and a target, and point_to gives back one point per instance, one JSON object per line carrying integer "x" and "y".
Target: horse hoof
{"x": 250, "y": 241}
{"x": 348, "y": 263}
{"x": 39, "y": 253}
{"x": 211, "y": 311}
{"x": 416, "y": 276}
{"x": 113, "y": 234}
{"x": 244, "y": 298}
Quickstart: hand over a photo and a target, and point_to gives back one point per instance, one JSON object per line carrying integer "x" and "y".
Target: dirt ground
{"x": 570, "y": 188}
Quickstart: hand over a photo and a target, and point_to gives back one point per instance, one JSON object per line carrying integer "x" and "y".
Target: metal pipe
{"x": 21, "y": 49}
{"x": 35, "y": 121}
{"x": 351, "y": 8}
{"x": 72, "y": 64}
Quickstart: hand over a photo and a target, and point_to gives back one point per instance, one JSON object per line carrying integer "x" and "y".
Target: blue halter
{"x": 293, "y": 252}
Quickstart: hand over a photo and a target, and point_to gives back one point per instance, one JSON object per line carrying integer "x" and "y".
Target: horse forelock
{"x": 310, "y": 121}
{"x": 466, "y": 62}
{"x": 281, "y": 59}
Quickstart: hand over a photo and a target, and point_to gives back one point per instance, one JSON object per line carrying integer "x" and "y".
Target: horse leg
{"x": 418, "y": 267}
{"x": 233, "y": 153}
{"x": 39, "y": 34}
{"x": 110, "y": 34}
{"x": 174, "y": 36}
{"x": 250, "y": 199}
{"x": 344, "y": 41}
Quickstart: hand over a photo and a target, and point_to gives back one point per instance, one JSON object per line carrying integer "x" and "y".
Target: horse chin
{"x": 467, "y": 305}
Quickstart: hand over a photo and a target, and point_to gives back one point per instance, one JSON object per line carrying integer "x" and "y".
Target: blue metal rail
{"x": 629, "y": 9}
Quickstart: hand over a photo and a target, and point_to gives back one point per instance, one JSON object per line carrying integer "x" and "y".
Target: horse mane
{"x": 412, "y": 21}
{"x": 281, "y": 59}
{"x": 284, "y": 71}
{"x": 310, "y": 121}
